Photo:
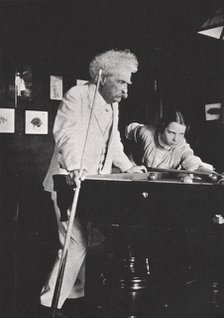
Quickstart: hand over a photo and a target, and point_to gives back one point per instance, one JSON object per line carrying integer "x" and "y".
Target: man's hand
{"x": 74, "y": 178}
{"x": 137, "y": 169}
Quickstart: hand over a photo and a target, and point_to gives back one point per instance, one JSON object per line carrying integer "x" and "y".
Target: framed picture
{"x": 56, "y": 87}
{"x": 19, "y": 83}
{"x": 81, "y": 82}
{"x": 213, "y": 111}
{"x": 36, "y": 122}
{"x": 7, "y": 120}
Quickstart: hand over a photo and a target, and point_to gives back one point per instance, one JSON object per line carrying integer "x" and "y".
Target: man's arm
{"x": 68, "y": 130}
{"x": 120, "y": 159}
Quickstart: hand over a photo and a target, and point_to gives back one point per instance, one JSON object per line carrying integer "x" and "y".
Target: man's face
{"x": 173, "y": 134}
{"x": 114, "y": 87}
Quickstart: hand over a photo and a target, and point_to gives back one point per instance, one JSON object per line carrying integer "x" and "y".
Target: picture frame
{"x": 80, "y": 82}
{"x": 56, "y": 87}
{"x": 213, "y": 111}
{"x": 19, "y": 84}
{"x": 7, "y": 120}
{"x": 36, "y": 122}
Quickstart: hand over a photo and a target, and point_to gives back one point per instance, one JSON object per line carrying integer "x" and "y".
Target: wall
{"x": 30, "y": 34}
{"x": 176, "y": 67}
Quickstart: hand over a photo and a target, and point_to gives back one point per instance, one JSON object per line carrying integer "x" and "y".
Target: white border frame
{"x": 7, "y": 120}
{"x": 36, "y": 122}
{"x": 56, "y": 87}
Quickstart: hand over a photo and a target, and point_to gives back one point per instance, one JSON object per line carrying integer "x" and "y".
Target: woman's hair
{"x": 169, "y": 117}
{"x": 112, "y": 60}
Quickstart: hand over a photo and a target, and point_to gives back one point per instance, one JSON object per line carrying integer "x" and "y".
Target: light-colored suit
{"x": 70, "y": 131}
{"x": 103, "y": 148}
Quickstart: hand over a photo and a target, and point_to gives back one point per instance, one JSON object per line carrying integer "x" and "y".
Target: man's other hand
{"x": 137, "y": 169}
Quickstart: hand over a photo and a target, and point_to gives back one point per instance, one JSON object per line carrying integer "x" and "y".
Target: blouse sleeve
{"x": 191, "y": 162}
{"x": 131, "y": 131}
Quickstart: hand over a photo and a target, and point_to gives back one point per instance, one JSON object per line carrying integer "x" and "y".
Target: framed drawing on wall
{"x": 213, "y": 111}
{"x": 23, "y": 82}
{"x": 56, "y": 87}
{"x": 36, "y": 122}
{"x": 81, "y": 82}
{"x": 7, "y": 120}
{"x": 19, "y": 84}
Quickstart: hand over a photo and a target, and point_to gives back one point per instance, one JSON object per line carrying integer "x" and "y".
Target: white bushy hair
{"x": 112, "y": 60}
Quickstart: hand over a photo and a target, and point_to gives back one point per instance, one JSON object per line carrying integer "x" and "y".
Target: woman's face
{"x": 173, "y": 134}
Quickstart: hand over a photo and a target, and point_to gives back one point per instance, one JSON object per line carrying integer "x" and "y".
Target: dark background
{"x": 60, "y": 38}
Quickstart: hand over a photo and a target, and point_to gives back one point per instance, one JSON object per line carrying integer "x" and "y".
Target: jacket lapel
{"x": 98, "y": 111}
{"x": 109, "y": 155}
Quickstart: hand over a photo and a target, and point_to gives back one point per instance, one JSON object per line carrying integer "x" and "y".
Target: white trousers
{"x": 74, "y": 275}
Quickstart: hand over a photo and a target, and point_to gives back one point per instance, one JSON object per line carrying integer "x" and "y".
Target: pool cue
{"x": 151, "y": 169}
{"x": 64, "y": 254}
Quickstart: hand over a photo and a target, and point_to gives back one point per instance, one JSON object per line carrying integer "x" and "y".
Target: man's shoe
{"x": 46, "y": 312}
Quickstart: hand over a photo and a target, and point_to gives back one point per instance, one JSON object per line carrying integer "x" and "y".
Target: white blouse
{"x": 156, "y": 154}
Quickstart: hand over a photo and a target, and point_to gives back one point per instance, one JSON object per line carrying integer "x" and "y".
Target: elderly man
{"x": 103, "y": 149}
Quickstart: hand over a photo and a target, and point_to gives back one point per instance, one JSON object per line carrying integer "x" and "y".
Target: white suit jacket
{"x": 70, "y": 131}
